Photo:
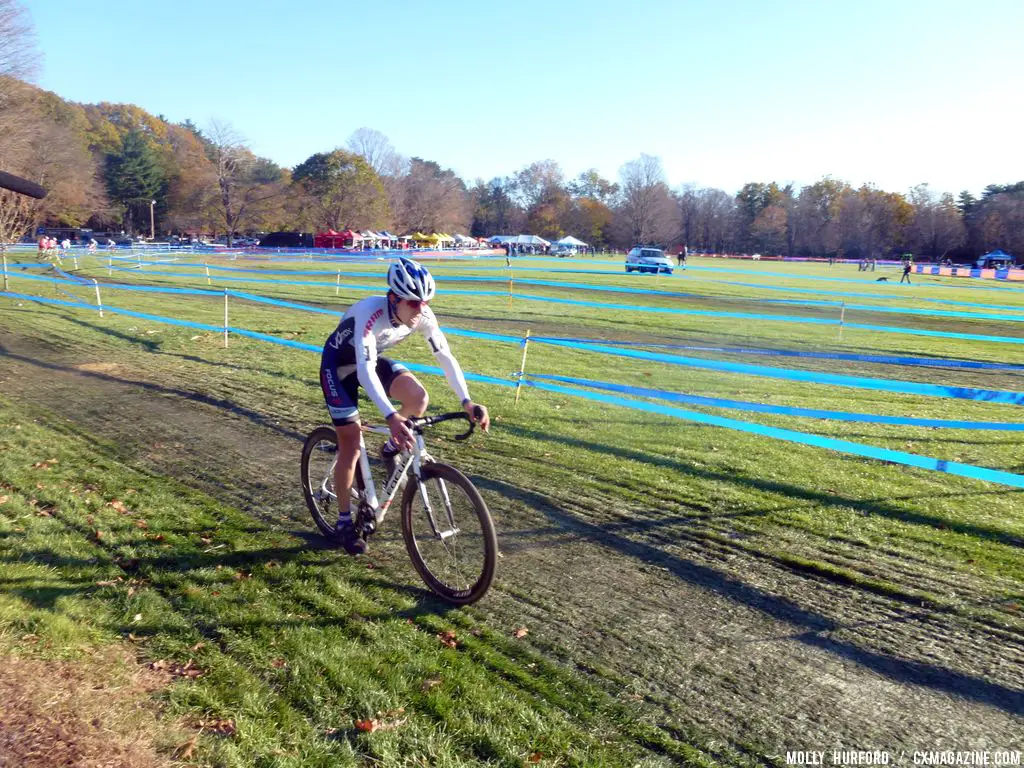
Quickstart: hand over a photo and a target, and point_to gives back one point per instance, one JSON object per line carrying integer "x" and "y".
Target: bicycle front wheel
{"x": 449, "y": 534}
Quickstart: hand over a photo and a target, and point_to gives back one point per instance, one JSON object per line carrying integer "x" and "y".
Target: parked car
{"x": 644, "y": 259}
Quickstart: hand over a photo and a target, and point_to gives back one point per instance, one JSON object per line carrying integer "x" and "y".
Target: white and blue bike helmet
{"x": 408, "y": 279}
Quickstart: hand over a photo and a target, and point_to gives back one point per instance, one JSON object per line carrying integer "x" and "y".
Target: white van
{"x": 643, "y": 259}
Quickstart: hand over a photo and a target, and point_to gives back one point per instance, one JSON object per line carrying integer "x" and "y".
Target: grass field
{"x": 669, "y": 592}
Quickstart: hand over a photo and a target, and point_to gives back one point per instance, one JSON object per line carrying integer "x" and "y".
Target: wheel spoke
{"x": 448, "y": 538}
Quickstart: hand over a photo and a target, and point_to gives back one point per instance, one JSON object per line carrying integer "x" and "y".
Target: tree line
{"x": 110, "y": 166}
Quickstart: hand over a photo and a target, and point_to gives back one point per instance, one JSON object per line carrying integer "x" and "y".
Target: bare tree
{"x": 377, "y": 150}
{"x": 19, "y": 58}
{"x": 244, "y": 182}
{"x": 17, "y": 215}
{"x": 647, "y": 204}
{"x": 434, "y": 199}
{"x": 936, "y": 226}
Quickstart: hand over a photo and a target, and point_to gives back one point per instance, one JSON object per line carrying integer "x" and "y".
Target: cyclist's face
{"x": 409, "y": 311}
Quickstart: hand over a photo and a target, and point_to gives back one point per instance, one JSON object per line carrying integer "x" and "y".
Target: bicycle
{"x": 451, "y": 520}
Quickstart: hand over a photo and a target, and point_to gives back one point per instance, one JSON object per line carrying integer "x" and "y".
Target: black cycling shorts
{"x": 340, "y": 386}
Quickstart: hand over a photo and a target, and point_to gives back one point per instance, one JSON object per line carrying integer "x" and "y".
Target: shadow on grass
{"x": 155, "y": 347}
{"x": 789, "y": 490}
{"x": 818, "y": 628}
{"x": 216, "y": 402}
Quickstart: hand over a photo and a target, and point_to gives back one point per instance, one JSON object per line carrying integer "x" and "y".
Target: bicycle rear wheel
{"x": 318, "y": 456}
{"x": 451, "y": 538}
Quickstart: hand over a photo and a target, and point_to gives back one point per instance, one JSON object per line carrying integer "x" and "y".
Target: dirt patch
{"x": 746, "y": 648}
{"x": 85, "y": 715}
{"x": 98, "y": 367}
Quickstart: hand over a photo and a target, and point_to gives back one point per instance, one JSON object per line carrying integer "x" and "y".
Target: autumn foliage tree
{"x": 342, "y": 190}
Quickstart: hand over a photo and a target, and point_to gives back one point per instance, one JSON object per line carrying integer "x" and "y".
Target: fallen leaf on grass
{"x": 118, "y": 506}
{"x": 177, "y": 670}
{"x": 44, "y": 464}
{"x": 242, "y": 575}
{"x": 367, "y": 726}
{"x": 279, "y": 663}
{"x": 430, "y": 683}
{"x": 98, "y": 534}
{"x": 197, "y": 646}
{"x": 184, "y": 751}
{"x": 521, "y": 632}
{"x": 109, "y": 582}
{"x": 224, "y": 727}
{"x": 4, "y": 499}
{"x": 448, "y": 638}
{"x": 44, "y": 513}
{"x": 535, "y": 757}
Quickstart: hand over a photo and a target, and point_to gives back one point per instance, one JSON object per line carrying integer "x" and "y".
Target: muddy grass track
{"x": 713, "y": 633}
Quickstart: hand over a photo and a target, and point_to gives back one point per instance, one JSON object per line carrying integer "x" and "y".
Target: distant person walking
{"x": 907, "y": 266}
{"x": 681, "y": 258}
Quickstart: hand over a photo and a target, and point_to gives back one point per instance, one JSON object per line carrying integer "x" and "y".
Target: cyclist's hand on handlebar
{"x": 479, "y": 414}
{"x": 400, "y": 432}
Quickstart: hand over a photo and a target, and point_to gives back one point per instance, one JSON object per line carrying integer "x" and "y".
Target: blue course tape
{"x": 844, "y": 446}
{"x": 862, "y": 295}
{"x": 930, "y": 362}
{"x": 887, "y": 385}
{"x": 117, "y": 311}
{"x": 280, "y": 303}
{"x": 674, "y": 294}
{"x": 783, "y": 318}
{"x": 618, "y": 307}
{"x": 122, "y": 286}
{"x": 784, "y": 410}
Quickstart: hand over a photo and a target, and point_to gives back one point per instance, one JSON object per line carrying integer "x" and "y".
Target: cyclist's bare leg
{"x": 345, "y": 468}
{"x": 407, "y": 389}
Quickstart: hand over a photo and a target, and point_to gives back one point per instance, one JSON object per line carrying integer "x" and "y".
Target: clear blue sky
{"x": 893, "y": 92}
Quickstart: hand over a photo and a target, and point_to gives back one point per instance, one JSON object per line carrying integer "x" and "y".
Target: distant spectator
{"x": 92, "y": 245}
{"x": 907, "y": 266}
{"x": 681, "y": 258}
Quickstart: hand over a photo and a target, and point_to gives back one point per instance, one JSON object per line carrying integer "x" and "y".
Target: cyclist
{"x": 350, "y": 359}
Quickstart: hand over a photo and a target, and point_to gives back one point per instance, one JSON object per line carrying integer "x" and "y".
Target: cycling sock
{"x": 344, "y": 516}
{"x": 390, "y": 447}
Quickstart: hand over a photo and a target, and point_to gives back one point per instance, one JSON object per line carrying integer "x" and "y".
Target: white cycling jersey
{"x": 368, "y": 327}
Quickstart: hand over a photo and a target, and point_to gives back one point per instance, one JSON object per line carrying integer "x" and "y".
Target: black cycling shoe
{"x": 387, "y": 458}
{"x": 349, "y": 538}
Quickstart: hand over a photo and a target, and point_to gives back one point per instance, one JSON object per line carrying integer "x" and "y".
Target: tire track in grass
{"x": 863, "y": 613}
{"x": 222, "y": 657}
{"x": 854, "y": 571}
{"x": 595, "y": 514}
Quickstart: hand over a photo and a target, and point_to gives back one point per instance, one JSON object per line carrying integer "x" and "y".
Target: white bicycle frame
{"x": 414, "y": 459}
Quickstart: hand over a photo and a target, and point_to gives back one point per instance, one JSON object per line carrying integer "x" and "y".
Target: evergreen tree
{"x": 134, "y": 177}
